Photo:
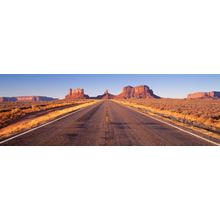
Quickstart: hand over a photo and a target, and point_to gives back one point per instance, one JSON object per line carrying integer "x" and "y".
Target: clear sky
{"x": 57, "y": 85}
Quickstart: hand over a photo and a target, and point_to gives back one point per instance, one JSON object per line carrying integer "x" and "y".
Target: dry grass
{"x": 11, "y": 112}
{"x": 202, "y": 113}
{"x": 27, "y": 124}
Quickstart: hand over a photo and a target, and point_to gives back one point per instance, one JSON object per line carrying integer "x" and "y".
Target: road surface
{"x": 106, "y": 123}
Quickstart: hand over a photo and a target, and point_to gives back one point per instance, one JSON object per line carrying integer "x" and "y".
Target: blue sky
{"x": 57, "y": 85}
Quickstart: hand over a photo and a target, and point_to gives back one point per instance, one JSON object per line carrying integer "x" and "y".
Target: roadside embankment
{"x": 199, "y": 115}
{"x": 26, "y": 124}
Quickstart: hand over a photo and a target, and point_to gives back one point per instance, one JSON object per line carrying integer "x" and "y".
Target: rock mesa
{"x": 203, "y": 95}
{"x": 26, "y": 99}
{"x": 139, "y": 92}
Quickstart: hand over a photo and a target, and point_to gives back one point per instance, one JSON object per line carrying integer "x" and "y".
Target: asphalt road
{"x": 106, "y": 123}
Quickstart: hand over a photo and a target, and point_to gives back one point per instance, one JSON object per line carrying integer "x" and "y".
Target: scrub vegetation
{"x": 198, "y": 113}
{"x": 11, "y": 112}
{"x": 18, "y": 117}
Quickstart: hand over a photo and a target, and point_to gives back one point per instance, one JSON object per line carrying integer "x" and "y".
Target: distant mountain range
{"x": 128, "y": 92}
{"x": 26, "y": 99}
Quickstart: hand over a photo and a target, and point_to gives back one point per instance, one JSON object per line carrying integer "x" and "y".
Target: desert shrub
{"x": 202, "y": 112}
{"x": 11, "y": 111}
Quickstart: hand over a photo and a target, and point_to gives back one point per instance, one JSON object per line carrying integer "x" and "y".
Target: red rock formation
{"x": 203, "y": 95}
{"x": 106, "y": 95}
{"x": 128, "y": 92}
{"x": 76, "y": 94}
{"x": 139, "y": 92}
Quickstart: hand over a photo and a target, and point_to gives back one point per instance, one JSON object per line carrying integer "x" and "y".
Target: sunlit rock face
{"x": 76, "y": 94}
{"x": 203, "y": 95}
{"x": 139, "y": 92}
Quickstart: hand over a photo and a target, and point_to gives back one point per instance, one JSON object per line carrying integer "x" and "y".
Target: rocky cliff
{"x": 139, "y": 92}
{"x": 203, "y": 95}
{"x": 76, "y": 94}
{"x": 26, "y": 99}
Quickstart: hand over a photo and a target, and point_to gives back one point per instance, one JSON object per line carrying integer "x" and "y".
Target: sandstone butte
{"x": 139, "y": 92}
{"x": 204, "y": 95}
{"x": 26, "y": 99}
{"x": 76, "y": 94}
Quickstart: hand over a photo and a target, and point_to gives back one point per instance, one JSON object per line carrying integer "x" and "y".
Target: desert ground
{"x": 199, "y": 114}
{"x": 16, "y": 117}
